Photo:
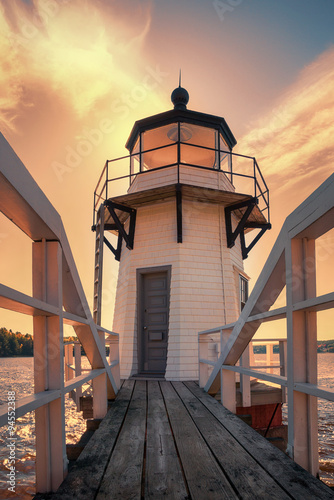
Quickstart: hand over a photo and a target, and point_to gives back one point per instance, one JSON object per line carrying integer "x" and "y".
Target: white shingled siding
{"x": 188, "y": 175}
{"x": 204, "y": 293}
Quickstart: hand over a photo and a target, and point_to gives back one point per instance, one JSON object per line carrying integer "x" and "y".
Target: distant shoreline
{"x": 255, "y": 352}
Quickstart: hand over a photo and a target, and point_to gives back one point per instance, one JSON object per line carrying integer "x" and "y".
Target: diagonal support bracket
{"x": 119, "y": 226}
{"x": 230, "y": 234}
{"x": 116, "y": 251}
{"x": 245, "y": 250}
{"x": 242, "y": 225}
{"x": 128, "y": 237}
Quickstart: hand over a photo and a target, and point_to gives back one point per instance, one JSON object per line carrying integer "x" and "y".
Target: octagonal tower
{"x": 181, "y": 228}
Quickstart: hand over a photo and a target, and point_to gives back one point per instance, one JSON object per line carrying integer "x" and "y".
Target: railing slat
{"x": 29, "y": 403}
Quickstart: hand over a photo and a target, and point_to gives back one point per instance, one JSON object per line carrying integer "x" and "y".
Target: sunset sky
{"x": 76, "y": 74}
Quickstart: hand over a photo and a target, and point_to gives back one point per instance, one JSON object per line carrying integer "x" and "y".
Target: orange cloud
{"x": 82, "y": 52}
{"x": 294, "y": 142}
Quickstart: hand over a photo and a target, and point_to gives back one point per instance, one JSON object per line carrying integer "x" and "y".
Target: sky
{"x": 76, "y": 74}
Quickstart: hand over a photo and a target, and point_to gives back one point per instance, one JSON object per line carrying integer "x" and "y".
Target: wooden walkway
{"x": 171, "y": 440}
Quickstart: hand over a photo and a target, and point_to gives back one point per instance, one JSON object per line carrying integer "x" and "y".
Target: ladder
{"x": 99, "y": 229}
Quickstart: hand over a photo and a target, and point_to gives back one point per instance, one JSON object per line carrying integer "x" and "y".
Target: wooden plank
{"x": 295, "y": 480}
{"x": 86, "y": 475}
{"x": 123, "y": 477}
{"x": 203, "y": 475}
{"x": 163, "y": 475}
{"x": 248, "y": 477}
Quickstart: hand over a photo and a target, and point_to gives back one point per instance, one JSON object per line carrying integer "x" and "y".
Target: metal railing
{"x": 239, "y": 168}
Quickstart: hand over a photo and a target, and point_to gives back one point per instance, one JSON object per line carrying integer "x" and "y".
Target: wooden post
{"x": 99, "y": 384}
{"x": 51, "y": 460}
{"x": 227, "y": 379}
{"x": 77, "y": 364}
{"x": 251, "y": 354}
{"x": 302, "y": 354}
{"x": 283, "y": 364}
{"x": 203, "y": 353}
{"x": 113, "y": 356}
{"x": 270, "y": 356}
{"x": 68, "y": 348}
{"x": 245, "y": 379}
{"x": 227, "y": 387}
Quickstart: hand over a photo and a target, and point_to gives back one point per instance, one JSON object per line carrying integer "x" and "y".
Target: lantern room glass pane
{"x": 225, "y": 157}
{"x": 193, "y": 136}
{"x": 164, "y": 137}
{"x": 135, "y": 161}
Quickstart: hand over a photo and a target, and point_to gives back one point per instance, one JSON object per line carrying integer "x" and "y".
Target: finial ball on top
{"x": 180, "y": 98}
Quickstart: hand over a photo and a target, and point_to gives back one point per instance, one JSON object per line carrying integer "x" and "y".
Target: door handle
{"x": 145, "y": 327}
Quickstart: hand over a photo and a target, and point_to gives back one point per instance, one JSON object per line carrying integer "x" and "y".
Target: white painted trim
{"x": 314, "y": 390}
{"x": 275, "y": 379}
{"x": 82, "y": 379}
{"x": 19, "y": 302}
{"x": 29, "y": 403}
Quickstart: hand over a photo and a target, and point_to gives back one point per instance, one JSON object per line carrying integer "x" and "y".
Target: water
{"x": 325, "y": 415}
{"x": 17, "y": 374}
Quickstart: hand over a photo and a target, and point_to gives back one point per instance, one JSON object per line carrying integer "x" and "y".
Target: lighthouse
{"x": 181, "y": 227}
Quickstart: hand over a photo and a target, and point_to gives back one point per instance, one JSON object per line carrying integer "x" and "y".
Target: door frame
{"x": 140, "y": 273}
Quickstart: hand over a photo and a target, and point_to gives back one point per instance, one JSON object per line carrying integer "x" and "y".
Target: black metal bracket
{"x": 115, "y": 251}
{"x": 243, "y": 224}
{"x": 230, "y": 234}
{"x": 263, "y": 228}
{"x": 179, "y": 212}
{"x": 119, "y": 226}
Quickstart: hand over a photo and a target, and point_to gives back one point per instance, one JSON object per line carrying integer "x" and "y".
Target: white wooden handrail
{"x": 291, "y": 264}
{"x": 58, "y": 298}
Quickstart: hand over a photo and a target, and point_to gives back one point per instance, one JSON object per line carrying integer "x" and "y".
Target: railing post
{"x": 51, "y": 460}
{"x": 227, "y": 388}
{"x": 68, "y": 348}
{"x": 270, "y": 356}
{"x": 283, "y": 364}
{"x": 203, "y": 353}
{"x": 77, "y": 365}
{"x": 99, "y": 384}
{"x": 231, "y": 166}
{"x": 115, "y": 370}
{"x": 251, "y": 354}
{"x": 302, "y": 354}
{"x": 245, "y": 379}
{"x": 227, "y": 379}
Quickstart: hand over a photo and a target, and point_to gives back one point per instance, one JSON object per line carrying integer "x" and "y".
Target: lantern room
{"x": 179, "y": 136}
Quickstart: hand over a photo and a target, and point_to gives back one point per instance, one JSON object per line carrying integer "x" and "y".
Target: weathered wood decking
{"x": 172, "y": 440}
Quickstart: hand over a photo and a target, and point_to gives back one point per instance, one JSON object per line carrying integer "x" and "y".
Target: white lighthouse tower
{"x": 181, "y": 237}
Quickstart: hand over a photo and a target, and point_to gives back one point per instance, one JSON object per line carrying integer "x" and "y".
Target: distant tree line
{"x": 15, "y": 344}
{"x": 323, "y": 346}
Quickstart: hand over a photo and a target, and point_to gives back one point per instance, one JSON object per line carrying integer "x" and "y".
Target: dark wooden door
{"x": 154, "y": 322}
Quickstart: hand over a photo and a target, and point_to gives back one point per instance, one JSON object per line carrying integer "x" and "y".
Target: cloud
{"x": 294, "y": 142}
{"x": 79, "y": 51}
